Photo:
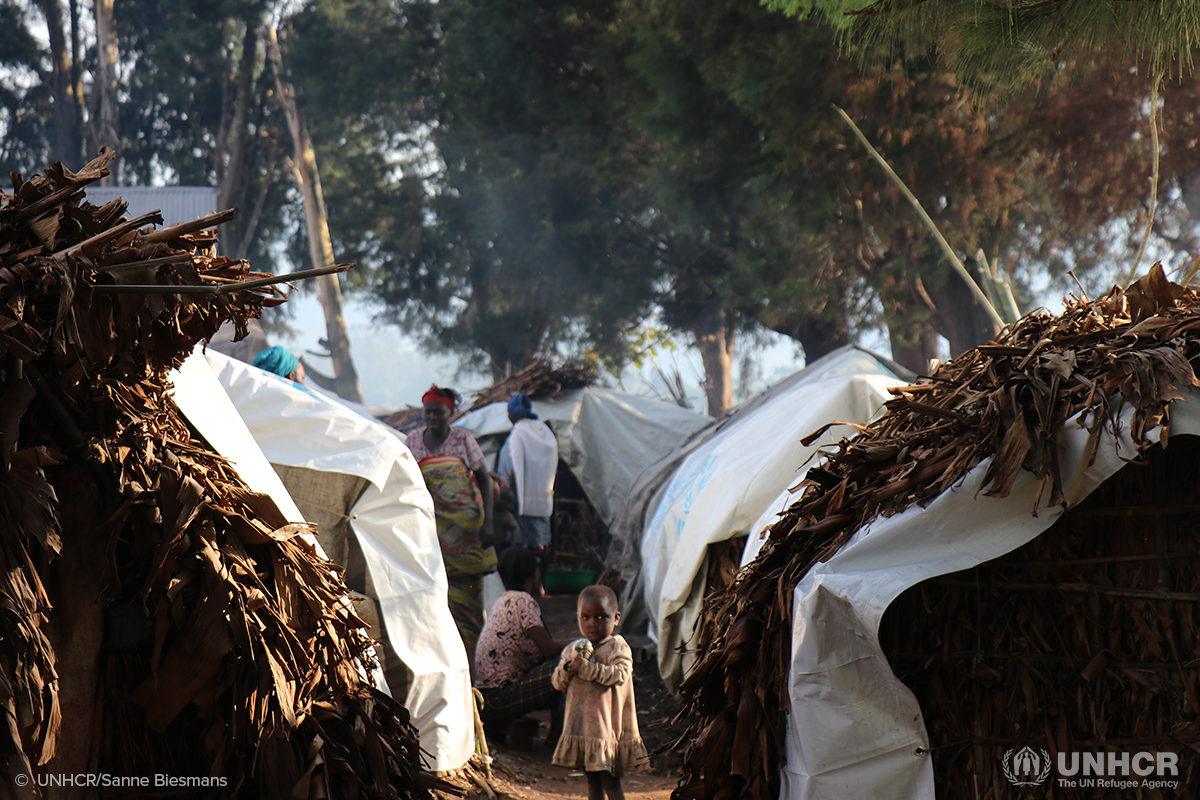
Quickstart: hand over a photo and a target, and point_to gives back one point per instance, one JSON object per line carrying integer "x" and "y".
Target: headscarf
{"x": 521, "y": 407}
{"x": 277, "y": 359}
{"x": 437, "y": 395}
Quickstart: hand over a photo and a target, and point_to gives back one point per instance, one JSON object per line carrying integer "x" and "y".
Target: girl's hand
{"x": 573, "y": 667}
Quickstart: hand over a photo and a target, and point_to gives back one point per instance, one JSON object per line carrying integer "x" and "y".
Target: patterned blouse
{"x": 505, "y": 652}
{"x": 459, "y": 443}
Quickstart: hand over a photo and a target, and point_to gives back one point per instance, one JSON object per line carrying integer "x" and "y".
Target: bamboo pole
{"x": 997, "y": 322}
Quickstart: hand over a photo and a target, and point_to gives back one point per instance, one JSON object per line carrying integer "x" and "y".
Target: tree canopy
{"x": 1008, "y": 40}
{"x": 516, "y": 179}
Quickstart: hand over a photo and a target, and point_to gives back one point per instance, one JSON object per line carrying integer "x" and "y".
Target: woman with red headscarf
{"x": 457, "y": 477}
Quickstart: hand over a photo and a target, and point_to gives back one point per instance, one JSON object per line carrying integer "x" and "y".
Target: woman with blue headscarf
{"x": 280, "y": 361}
{"x": 527, "y": 464}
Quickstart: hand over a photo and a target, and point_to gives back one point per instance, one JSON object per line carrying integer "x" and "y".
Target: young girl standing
{"x": 600, "y": 732}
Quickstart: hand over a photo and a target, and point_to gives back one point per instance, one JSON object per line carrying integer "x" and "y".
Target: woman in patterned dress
{"x": 456, "y": 475}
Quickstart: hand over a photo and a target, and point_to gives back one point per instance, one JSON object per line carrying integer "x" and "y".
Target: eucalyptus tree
{"x": 516, "y": 230}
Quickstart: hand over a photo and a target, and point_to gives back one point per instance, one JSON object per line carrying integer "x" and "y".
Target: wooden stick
{"x": 184, "y": 228}
{"x": 1137, "y": 511}
{"x": 152, "y": 262}
{"x": 1105, "y": 743}
{"x": 1099, "y": 560}
{"x": 1076, "y": 588}
{"x": 227, "y": 288}
{"x": 49, "y": 201}
{"x": 114, "y": 232}
{"x": 1044, "y": 658}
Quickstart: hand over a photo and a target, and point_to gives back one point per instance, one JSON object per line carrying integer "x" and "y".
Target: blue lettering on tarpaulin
{"x": 707, "y": 473}
{"x": 685, "y": 487}
{"x": 668, "y": 500}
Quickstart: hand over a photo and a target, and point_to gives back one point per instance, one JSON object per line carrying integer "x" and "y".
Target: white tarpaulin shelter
{"x": 726, "y": 481}
{"x": 204, "y": 402}
{"x": 320, "y": 445}
{"x": 605, "y": 436}
{"x": 854, "y": 729}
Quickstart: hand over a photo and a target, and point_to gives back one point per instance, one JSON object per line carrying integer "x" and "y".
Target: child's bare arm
{"x": 561, "y": 677}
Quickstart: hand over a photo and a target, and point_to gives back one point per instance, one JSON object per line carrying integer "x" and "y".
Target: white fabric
{"x": 724, "y": 485}
{"x": 606, "y": 437}
{"x": 393, "y": 522}
{"x": 854, "y": 730}
{"x": 534, "y": 452}
{"x": 204, "y": 402}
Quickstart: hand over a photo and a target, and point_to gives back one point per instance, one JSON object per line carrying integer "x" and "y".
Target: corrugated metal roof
{"x": 177, "y": 203}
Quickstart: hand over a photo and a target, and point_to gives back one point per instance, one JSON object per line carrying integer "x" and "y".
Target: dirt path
{"x": 529, "y": 775}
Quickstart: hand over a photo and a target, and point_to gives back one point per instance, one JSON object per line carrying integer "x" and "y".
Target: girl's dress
{"x": 600, "y": 732}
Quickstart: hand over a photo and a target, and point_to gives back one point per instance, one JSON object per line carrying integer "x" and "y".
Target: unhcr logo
{"x": 1105, "y": 770}
{"x": 1027, "y": 767}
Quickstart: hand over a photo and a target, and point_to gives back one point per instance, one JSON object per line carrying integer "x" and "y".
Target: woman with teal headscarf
{"x": 280, "y": 361}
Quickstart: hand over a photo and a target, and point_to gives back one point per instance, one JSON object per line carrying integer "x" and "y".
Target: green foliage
{"x": 515, "y": 178}
{"x": 1008, "y": 41}
{"x": 26, "y": 128}
{"x": 517, "y": 236}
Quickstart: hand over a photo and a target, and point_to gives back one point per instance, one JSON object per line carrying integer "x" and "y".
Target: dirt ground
{"x": 527, "y": 774}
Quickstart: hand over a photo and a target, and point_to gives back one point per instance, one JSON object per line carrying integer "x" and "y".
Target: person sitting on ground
{"x": 279, "y": 360}
{"x": 515, "y": 659}
{"x": 457, "y": 478}
{"x": 527, "y": 463}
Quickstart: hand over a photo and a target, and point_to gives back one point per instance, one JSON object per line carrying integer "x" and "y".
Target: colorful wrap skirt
{"x": 458, "y": 512}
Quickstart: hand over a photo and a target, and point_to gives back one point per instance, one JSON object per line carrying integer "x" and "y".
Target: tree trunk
{"x": 960, "y": 317}
{"x": 106, "y": 132}
{"x": 913, "y": 346}
{"x": 716, "y": 345}
{"x": 818, "y": 336}
{"x": 232, "y": 144}
{"x": 67, "y": 145}
{"x": 77, "y": 98}
{"x": 320, "y": 245}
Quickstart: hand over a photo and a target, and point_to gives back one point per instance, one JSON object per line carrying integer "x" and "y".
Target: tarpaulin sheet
{"x": 854, "y": 730}
{"x": 204, "y": 402}
{"x": 723, "y": 486}
{"x": 393, "y": 522}
{"x": 606, "y": 437}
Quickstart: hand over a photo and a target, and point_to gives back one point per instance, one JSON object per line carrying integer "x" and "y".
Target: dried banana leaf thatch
{"x": 1085, "y": 639}
{"x": 1007, "y": 399}
{"x": 540, "y": 380}
{"x": 244, "y": 660}
{"x": 405, "y": 419}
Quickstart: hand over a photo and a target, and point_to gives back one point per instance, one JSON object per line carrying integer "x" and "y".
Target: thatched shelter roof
{"x": 541, "y": 380}
{"x": 163, "y": 618}
{"x": 1114, "y": 365}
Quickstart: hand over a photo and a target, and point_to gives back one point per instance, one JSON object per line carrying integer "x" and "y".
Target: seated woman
{"x": 516, "y": 657}
{"x": 457, "y": 478}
